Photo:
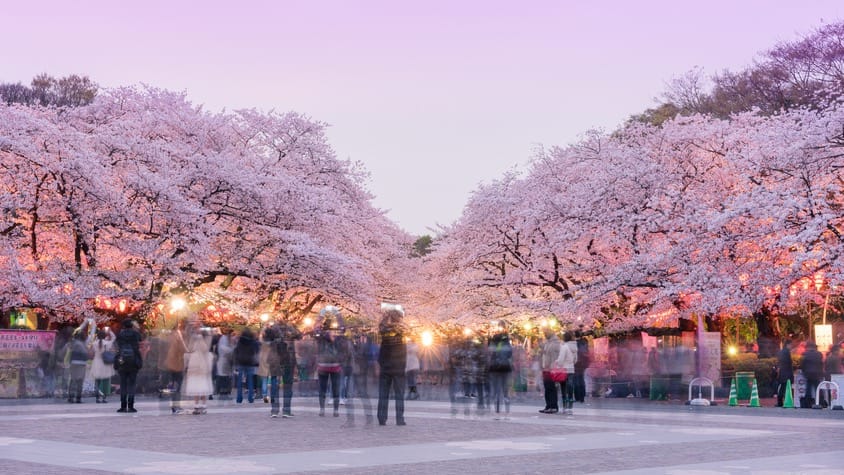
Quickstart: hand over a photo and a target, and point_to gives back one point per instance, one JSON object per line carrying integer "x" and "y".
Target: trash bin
{"x": 744, "y": 384}
{"x": 658, "y": 388}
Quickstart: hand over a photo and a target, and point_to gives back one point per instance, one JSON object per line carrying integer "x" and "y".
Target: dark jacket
{"x": 246, "y": 350}
{"x": 392, "y": 357}
{"x": 128, "y": 338}
{"x": 786, "y": 370}
{"x": 812, "y": 364}
{"x": 500, "y": 354}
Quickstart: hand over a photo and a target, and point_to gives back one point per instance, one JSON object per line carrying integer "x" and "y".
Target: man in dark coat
{"x": 127, "y": 363}
{"x": 392, "y": 360}
{"x": 786, "y": 370}
{"x": 812, "y": 366}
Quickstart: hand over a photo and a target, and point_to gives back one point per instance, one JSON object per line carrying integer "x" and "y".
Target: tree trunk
{"x": 769, "y": 335}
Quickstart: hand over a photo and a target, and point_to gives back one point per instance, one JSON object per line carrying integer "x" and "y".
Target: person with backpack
{"x": 246, "y": 364}
{"x": 500, "y": 368}
{"x": 127, "y": 363}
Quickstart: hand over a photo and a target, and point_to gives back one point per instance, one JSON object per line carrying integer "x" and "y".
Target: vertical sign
{"x": 823, "y": 337}
{"x": 710, "y": 356}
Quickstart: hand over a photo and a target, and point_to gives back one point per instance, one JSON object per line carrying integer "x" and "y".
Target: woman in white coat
{"x": 101, "y": 369}
{"x": 198, "y": 383}
{"x": 566, "y": 360}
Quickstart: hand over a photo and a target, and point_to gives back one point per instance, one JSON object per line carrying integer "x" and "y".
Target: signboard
{"x": 823, "y": 337}
{"x": 19, "y": 353}
{"x": 837, "y": 399}
{"x": 709, "y": 352}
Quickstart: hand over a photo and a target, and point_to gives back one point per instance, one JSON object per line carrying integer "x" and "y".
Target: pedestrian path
{"x": 64, "y": 439}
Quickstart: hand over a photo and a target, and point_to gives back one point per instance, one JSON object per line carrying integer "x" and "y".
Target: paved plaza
{"x": 620, "y": 436}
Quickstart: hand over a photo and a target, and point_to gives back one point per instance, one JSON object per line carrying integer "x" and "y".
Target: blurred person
{"x": 262, "y": 372}
{"x": 566, "y": 360}
{"x": 785, "y": 371}
{"x": 345, "y": 345}
{"x": 812, "y": 365}
{"x": 102, "y": 370}
{"x": 500, "y": 368}
{"x": 392, "y": 361}
{"x": 246, "y": 364}
{"x": 270, "y": 346}
{"x": 216, "y": 334}
{"x": 363, "y": 373}
{"x": 832, "y": 363}
{"x": 474, "y": 361}
{"x": 77, "y": 357}
{"x": 550, "y": 353}
{"x": 198, "y": 382}
{"x": 128, "y": 362}
{"x": 286, "y": 347}
{"x": 412, "y": 369}
{"x": 174, "y": 364}
{"x": 224, "y": 364}
{"x": 328, "y": 365}
{"x": 580, "y": 366}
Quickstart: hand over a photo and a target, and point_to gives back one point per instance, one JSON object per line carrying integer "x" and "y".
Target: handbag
{"x": 558, "y": 375}
{"x": 108, "y": 356}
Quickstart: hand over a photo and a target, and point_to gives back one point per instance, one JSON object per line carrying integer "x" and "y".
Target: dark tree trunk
{"x": 769, "y": 335}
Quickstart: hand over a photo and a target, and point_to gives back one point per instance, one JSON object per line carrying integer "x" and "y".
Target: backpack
{"x": 500, "y": 358}
{"x": 126, "y": 357}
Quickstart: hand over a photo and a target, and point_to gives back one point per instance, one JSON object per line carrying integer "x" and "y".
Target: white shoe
{"x": 342, "y": 402}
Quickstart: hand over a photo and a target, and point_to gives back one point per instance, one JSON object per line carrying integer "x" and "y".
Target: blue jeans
{"x": 287, "y": 388}
{"x": 249, "y": 373}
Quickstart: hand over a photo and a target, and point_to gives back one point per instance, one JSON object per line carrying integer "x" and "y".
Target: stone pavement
{"x": 620, "y": 436}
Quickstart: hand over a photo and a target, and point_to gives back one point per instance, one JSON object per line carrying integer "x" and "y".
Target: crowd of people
{"x": 351, "y": 365}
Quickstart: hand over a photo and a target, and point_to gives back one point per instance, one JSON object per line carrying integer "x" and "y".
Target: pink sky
{"x": 433, "y": 97}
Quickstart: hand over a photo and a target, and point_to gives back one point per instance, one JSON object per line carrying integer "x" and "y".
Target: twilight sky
{"x": 433, "y": 97}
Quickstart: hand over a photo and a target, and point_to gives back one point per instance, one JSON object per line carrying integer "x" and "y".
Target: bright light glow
{"x": 265, "y": 317}
{"x": 732, "y": 351}
{"x": 543, "y": 323}
{"x": 427, "y": 338}
{"x": 552, "y": 323}
{"x": 527, "y": 326}
{"x": 334, "y": 324}
{"x": 467, "y": 331}
{"x": 308, "y": 321}
{"x": 177, "y": 303}
{"x": 121, "y": 306}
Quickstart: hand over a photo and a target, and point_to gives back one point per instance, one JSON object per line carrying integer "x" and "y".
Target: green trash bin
{"x": 658, "y": 388}
{"x": 744, "y": 384}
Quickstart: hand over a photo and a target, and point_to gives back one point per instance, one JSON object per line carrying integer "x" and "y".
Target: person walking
{"x": 363, "y": 373}
{"x": 785, "y": 372}
{"x": 582, "y": 365}
{"x": 550, "y": 353}
{"x": 198, "y": 383}
{"x": 127, "y": 363}
{"x": 246, "y": 363}
{"x": 102, "y": 368}
{"x": 286, "y": 346}
{"x": 500, "y": 368}
{"x": 412, "y": 370}
{"x": 392, "y": 359}
{"x": 174, "y": 364}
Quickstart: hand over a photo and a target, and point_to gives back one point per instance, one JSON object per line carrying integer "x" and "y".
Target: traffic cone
{"x": 733, "y": 395}
{"x": 754, "y": 395}
{"x": 788, "y": 400}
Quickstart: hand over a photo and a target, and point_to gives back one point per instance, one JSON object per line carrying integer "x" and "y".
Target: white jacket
{"x": 568, "y": 357}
